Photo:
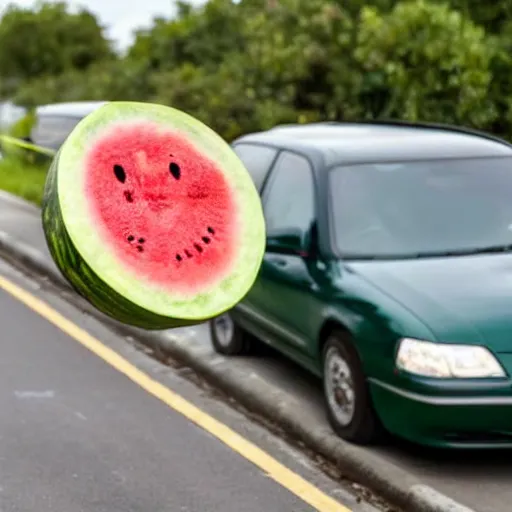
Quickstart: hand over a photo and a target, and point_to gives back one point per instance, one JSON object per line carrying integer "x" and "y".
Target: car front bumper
{"x": 447, "y": 420}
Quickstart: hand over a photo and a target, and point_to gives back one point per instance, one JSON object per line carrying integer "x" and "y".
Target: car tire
{"x": 348, "y": 402}
{"x": 227, "y": 337}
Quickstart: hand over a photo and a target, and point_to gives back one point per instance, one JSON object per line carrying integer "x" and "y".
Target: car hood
{"x": 461, "y": 299}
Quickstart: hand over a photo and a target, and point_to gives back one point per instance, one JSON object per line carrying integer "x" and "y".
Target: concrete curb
{"x": 356, "y": 463}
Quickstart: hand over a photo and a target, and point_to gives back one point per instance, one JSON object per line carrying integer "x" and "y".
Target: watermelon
{"x": 152, "y": 217}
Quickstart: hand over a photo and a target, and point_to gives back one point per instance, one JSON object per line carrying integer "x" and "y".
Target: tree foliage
{"x": 197, "y": 36}
{"x": 425, "y": 61}
{"x": 247, "y": 65}
{"x": 48, "y": 40}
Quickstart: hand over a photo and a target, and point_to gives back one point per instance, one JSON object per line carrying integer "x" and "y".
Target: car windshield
{"x": 422, "y": 208}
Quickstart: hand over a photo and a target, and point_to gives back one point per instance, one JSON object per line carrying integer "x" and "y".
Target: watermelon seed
{"x": 188, "y": 254}
{"x": 141, "y": 240}
{"x": 211, "y": 230}
{"x": 140, "y": 248}
{"x": 128, "y": 196}
{"x": 206, "y": 240}
{"x": 198, "y": 248}
{"x": 178, "y": 257}
{"x": 131, "y": 238}
{"x": 119, "y": 172}
{"x": 175, "y": 170}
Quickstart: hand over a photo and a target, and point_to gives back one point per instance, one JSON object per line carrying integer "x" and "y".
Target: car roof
{"x": 366, "y": 142}
{"x": 72, "y": 109}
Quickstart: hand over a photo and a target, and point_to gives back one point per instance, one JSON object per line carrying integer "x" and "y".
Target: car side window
{"x": 257, "y": 160}
{"x": 52, "y": 131}
{"x": 289, "y": 197}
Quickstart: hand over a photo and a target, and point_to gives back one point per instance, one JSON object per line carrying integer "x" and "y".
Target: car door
{"x": 258, "y": 160}
{"x": 283, "y": 298}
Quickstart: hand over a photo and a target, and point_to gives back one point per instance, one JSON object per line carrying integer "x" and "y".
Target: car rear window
{"x": 52, "y": 131}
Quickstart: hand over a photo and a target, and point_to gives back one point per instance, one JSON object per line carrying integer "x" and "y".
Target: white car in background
{"x": 55, "y": 121}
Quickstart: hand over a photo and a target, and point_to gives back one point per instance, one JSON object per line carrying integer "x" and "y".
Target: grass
{"x": 23, "y": 179}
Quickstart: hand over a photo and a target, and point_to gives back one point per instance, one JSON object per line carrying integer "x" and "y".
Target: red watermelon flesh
{"x": 164, "y": 208}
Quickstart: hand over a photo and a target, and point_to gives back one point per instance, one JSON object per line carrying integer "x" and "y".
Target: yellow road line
{"x": 277, "y": 471}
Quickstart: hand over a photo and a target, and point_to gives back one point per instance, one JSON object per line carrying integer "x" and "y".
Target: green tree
{"x": 493, "y": 16}
{"x": 108, "y": 80}
{"x": 249, "y": 65}
{"x": 300, "y": 53}
{"x": 48, "y": 40}
{"x": 500, "y": 90}
{"x": 425, "y": 61}
{"x": 293, "y": 64}
{"x": 221, "y": 99}
{"x": 354, "y": 7}
{"x": 200, "y": 36}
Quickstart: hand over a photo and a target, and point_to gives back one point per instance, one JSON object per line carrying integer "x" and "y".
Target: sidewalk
{"x": 270, "y": 386}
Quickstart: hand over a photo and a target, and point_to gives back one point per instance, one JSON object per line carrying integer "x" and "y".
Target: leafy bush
{"x": 424, "y": 61}
{"x": 247, "y": 65}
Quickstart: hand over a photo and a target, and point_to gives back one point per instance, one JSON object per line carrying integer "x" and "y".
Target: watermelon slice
{"x": 152, "y": 217}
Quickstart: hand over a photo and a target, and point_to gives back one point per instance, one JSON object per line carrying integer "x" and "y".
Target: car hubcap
{"x": 224, "y": 329}
{"x": 339, "y": 386}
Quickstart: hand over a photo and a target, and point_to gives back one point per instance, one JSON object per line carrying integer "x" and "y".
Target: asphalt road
{"x": 479, "y": 479}
{"x": 78, "y": 435}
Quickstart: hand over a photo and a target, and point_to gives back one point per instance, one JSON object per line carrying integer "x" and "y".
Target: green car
{"x": 388, "y": 274}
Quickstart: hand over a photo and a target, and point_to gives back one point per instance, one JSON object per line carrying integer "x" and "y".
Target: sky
{"x": 120, "y": 17}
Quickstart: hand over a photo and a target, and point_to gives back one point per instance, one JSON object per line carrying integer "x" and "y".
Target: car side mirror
{"x": 286, "y": 241}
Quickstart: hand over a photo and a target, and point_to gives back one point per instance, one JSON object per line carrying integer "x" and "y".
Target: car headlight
{"x": 447, "y": 361}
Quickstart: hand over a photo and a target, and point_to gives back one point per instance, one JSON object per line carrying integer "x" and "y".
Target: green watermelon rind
{"x": 96, "y": 273}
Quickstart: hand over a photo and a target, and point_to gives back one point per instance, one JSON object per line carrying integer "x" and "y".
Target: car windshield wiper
{"x": 484, "y": 250}
{"x": 431, "y": 254}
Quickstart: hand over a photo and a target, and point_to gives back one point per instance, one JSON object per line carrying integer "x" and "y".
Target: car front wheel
{"x": 348, "y": 402}
{"x": 227, "y": 337}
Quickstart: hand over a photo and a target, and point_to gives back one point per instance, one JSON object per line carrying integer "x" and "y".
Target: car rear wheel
{"x": 349, "y": 407}
{"x": 227, "y": 337}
